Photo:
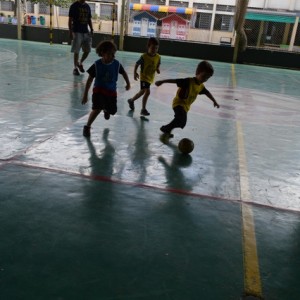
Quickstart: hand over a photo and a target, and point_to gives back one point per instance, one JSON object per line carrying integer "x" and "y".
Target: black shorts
{"x": 145, "y": 85}
{"x": 107, "y": 103}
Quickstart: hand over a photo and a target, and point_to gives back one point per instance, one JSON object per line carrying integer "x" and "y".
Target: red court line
{"x": 101, "y": 178}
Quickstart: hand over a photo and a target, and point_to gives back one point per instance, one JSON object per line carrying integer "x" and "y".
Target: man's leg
{"x": 76, "y": 57}
{"x": 86, "y": 49}
{"x": 75, "y": 70}
{"x": 79, "y": 64}
{"x": 84, "y": 56}
{"x": 76, "y": 45}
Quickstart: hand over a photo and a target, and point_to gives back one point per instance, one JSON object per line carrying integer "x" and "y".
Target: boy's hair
{"x": 105, "y": 46}
{"x": 205, "y": 66}
{"x": 153, "y": 41}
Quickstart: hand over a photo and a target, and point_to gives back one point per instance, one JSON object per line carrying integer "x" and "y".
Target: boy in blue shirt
{"x": 105, "y": 71}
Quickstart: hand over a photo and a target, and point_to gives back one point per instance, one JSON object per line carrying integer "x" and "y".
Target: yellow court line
{"x": 233, "y": 76}
{"x": 252, "y": 281}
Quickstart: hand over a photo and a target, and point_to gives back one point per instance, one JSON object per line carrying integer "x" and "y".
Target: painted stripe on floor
{"x": 252, "y": 279}
{"x": 233, "y": 76}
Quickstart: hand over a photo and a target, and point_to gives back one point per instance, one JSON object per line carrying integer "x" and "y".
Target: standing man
{"x": 80, "y": 18}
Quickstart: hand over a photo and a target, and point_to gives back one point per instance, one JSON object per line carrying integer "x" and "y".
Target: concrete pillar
{"x": 266, "y": 4}
{"x": 292, "y": 41}
{"x": 260, "y": 33}
{"x": 212, "y": 21}
{"x": 286, "y": 34}
{"x": 292, "y": 5}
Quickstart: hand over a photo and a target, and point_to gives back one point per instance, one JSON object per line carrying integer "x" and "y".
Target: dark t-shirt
{"x": 80, "y": 14}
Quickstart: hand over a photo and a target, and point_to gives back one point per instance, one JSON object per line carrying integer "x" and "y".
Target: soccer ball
{"x": 186, "y": 146}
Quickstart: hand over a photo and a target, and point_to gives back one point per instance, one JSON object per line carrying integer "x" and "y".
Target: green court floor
{"x": 124, "y": 215}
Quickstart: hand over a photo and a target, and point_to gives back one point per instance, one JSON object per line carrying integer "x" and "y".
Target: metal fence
{"x": 264, "y": 29}
{"x": 272, "y": 35}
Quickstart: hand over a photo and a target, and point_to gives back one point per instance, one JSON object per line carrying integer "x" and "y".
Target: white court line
{"x": 11, "y": 56}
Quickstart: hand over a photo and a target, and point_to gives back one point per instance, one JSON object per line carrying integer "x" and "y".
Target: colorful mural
{"x": 144, "y": 24}
{"x": 161, "y": 8}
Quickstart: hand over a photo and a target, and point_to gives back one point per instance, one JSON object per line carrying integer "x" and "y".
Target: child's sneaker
{"x": 76, "y": 72}
{"x": 86, "y": 131}
{"x": 145, "y": 112}
{"x": 81, "y": 69}
{"x": 131, "y": 104}
{"x": 166, "y": 132}
{"x": 106, "y": 115}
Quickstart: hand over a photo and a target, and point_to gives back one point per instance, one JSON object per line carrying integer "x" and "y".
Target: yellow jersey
{"x": 149, "y": 65}
{"x": 187, "y": 92}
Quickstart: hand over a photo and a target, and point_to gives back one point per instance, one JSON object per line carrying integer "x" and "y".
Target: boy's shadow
{"x": 100, "y": 190}
{"x": 173, "y": 170}
{"x": 141, "y": 151}
{"x": 102, "y": 165}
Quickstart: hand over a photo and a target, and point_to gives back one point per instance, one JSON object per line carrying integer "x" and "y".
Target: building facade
{"x": 269, "y": 23}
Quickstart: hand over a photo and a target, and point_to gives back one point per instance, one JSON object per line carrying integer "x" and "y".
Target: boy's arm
{"x": 158, "y": 67}
{"x": 135, "y": 73}
{"x": 211, "y": 97}
{"x": 70, "y": 25}
{"x": 90, "y": 21}
{"x": 86, "y": 90}
{"x": 125, "y": 76}
{"x": 91, "y": 26}
{"x": 160, "y": 82}
{"x": 70, "y": 22}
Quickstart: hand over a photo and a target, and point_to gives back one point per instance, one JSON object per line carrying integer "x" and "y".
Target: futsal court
{"x": 124, "y": 215}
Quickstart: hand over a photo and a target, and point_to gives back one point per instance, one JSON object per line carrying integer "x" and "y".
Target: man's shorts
{"x": 81, "y": 41}
{"x": 107, "y": 103}
{"x": 145, "y": 85}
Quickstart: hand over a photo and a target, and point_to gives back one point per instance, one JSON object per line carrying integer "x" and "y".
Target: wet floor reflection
{"x": 173, "y": 170}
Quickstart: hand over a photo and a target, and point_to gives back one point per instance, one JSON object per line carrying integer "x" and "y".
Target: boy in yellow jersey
{"x": 149, "y": 62}
{"x": 188, "y": 90}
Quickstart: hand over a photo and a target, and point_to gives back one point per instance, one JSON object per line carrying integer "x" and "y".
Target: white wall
{"x": 275, "y": 4}
{"x": 297, "y": 5}
{"x": 225, "y": 2}
{"x": 279, "y": 4}
{"x": 221, "y": 2}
